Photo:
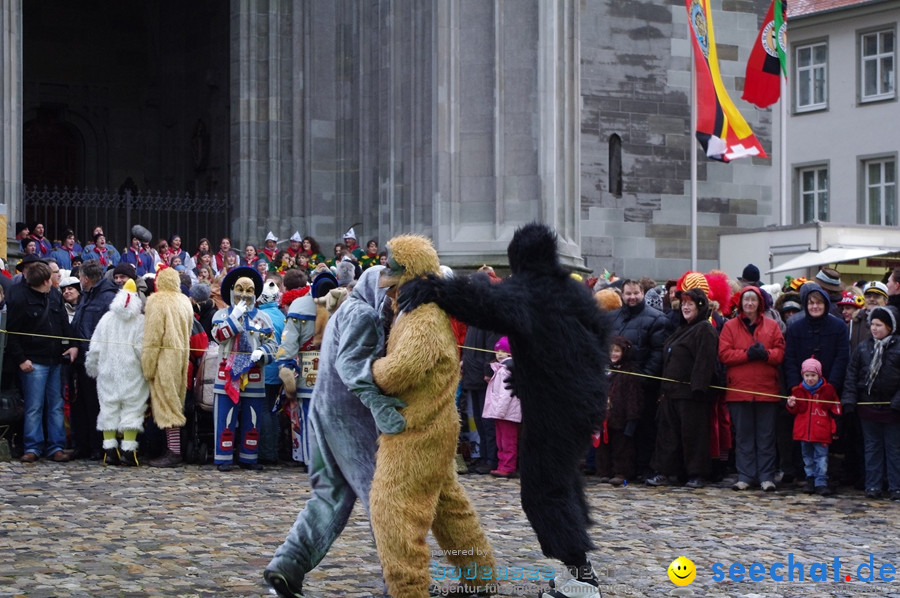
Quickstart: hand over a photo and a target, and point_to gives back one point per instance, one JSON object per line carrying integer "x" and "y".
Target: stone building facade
{"x": 458, "y": 119}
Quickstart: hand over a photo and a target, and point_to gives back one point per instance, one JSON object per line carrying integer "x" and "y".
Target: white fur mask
{"x": 270, "y": 293}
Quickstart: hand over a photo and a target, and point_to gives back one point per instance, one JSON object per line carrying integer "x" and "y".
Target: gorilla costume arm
{"x": 477, "y": 302}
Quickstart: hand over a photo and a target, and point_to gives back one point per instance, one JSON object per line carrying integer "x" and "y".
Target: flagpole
{"x": 693, "y": 155}
{"x": 783, "y": 170}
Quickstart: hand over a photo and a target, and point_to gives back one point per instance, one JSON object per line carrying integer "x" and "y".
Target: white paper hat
{"x": 350, "y": 234}
{"x": 296, "y": 237}
{"x": 271, "y": 237}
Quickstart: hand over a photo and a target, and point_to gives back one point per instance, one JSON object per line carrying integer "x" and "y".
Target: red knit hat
{"x": 811, "y": 365}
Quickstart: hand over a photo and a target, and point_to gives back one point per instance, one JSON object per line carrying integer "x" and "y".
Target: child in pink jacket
{"x": 814, "y": 402}
{"x": 506, "y": 411}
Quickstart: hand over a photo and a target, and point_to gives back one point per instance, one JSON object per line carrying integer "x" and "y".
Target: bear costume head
{"x": 409, "y": 257}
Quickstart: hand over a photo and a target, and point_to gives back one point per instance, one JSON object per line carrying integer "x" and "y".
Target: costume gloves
{"x": 384, "y": 410}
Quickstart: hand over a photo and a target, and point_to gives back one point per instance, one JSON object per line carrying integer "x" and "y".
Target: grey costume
{"x": 343, "y": 457}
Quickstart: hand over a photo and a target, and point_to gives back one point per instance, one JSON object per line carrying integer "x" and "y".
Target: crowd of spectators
{"x": 710, "y": 375}
{"x": 60, "y": 289}
{"x": 773, "y": 384}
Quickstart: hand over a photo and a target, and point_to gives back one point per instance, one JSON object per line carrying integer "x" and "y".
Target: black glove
{"x": 631, "y": 428}
{"x": 757, "y": 352}
{"x": 848, "y": 408}
{"x": 510, "y": 385}
{"x": 416, "y": 292}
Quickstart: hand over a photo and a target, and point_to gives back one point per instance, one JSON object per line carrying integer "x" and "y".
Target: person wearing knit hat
{"x": 199, "y": 292}
{"x": 683, "y": 421}
{"x": 504, "y": 408}
{"x": 204, "y": 307}
{"x": 873, "y": 378}
{"x": 815, "y": 405}
{"x": 788, "y": 305}
{"x": 830, "y": 280}
{"x": 811, "y": 365}
{"x": 122, "y": 272}
{"x": 750, "y": 276}
{"x": 22, "y": 233}
{"x": 653, "y": 298}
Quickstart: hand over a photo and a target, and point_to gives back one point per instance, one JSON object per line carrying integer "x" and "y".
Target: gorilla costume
{"x": 558, "y": 339}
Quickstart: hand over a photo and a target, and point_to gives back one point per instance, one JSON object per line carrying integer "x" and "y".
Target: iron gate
{"x": 163, "y": 214}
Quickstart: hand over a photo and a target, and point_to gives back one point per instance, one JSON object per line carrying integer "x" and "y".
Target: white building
{"x": 843, "y": 137}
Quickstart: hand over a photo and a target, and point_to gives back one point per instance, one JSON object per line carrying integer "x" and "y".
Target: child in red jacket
{"x": 814, "y": 402}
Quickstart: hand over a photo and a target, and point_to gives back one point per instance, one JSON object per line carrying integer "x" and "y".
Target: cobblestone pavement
{"x": 79, "y": 529}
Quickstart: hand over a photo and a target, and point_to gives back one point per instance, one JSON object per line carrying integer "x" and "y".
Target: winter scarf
{"x": 815, "y": 387}
{"x": 875, "y": 365}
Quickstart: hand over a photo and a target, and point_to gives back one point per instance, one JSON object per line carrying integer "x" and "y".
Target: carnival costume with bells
{"x": 246, "y": 343}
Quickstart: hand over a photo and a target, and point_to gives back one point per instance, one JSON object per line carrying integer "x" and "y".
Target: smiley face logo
{"x": 682, "y": 571}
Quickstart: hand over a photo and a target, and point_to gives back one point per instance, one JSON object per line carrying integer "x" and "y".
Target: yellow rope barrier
{"x": 660, "y": 378}
{"x": 753, "y": 392}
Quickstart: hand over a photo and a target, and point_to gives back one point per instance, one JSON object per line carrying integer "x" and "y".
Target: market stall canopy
{"x": 830, "y": 255}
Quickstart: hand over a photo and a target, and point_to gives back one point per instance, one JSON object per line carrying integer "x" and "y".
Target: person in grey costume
{"x": 347, "y": 412}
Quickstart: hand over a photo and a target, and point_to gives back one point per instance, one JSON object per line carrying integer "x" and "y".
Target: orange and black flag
{"x": 762, "y": 85}
{"x": 721, "y": 130}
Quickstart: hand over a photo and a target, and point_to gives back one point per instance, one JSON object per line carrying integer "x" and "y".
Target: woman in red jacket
{"x": 751, "y": 348}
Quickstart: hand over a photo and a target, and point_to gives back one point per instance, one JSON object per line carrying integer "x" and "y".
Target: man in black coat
{"x": 647, "y": 329}
{"x": 97, "y": 293}
{"x": 558, "y": 339}
{"x": 37, "y": 324}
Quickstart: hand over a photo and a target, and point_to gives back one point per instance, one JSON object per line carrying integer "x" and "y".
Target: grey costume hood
{"x": 367, "y": 290}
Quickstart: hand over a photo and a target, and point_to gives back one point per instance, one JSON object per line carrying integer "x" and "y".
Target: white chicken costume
{"x": 114, "y": 360}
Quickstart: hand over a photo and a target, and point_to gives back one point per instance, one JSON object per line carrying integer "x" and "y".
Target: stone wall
{"x": 635, "y": 82}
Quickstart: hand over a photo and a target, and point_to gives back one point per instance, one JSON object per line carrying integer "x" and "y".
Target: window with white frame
{"x": 880, "y": 192}
{"x": 814, "y": 194}
{"x": 877, "y": 68}
{"x": 811, "y": 92}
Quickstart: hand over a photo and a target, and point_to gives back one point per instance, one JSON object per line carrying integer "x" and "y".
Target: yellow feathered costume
{"x": 415, "y": 485}
{"x": 167, "y": 334}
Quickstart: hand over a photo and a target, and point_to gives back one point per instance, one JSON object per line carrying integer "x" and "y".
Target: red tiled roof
{"x": 797, "y": 8}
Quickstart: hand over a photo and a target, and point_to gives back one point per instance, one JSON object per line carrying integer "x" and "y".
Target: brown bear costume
{"x": 558, "y": 337}
{"x": 415, "y": 485}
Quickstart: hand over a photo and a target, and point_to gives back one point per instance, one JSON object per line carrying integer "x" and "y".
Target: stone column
{"x": 507, "y": 125}
{"x": 267, "y": 145}
{"x": 11, "y": 190}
